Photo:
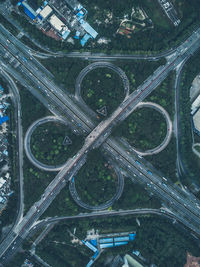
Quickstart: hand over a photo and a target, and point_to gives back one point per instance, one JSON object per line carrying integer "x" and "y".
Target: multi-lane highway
{"x": 182, "y": 205}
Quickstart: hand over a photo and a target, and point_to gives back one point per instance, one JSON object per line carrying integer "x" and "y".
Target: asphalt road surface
{"x": 187, "y": 213}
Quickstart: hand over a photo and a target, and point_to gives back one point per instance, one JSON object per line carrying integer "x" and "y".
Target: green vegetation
{"x": 19, "y": 259}
{"x": 139, "y": 70}
{"x": 32, "y": 109}
{"x": 8, "y": 215}
{"x": 30, "y": 44}
{"x": 165, "y": 161}
{"x": 63, "y": 205}
{"x": 102, "y": 87}
{"x": 57, "y": 250}
{"x": 135, "y": 196}
{"x": 106, "y": 17}
{"x": 8, "y": 25}
{"x": 159, "y": 241}
{"x": 164, "y": 95}
{"x": 144, "y": 129}
{"x": 162, "y": 34}
{"x": 48, "y": 143}
{"x": 96, "y": 181}
{"x": 65, "y": 70}
{"x": 35, "y": 182}
{"x": 197, "y": 148}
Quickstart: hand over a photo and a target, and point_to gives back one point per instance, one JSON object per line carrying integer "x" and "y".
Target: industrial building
{"x": 195, "y": 111}
{"x": 46, "y": 12}
{"x": 107, "y": 241}
{"x": 58, "y": 18}
{"x": 196, "y": 121}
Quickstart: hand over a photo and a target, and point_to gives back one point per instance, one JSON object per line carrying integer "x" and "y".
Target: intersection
{"x": 63, "y": 106}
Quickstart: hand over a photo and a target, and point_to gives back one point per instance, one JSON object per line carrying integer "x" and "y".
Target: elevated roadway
{"x": 188, "y": 214}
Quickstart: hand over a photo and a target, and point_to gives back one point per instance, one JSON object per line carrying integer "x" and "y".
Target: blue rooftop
{"x": 90, "y": 263}
{"x": 3, "y": 119}
{"x": 132, "y": 237}
{"x": 85, "y": 38}
{"x": 29, "y": 10}
{"x": 93, "y": 242}
{"x": 65, "y": 34}
{"x": 88, "y": 29}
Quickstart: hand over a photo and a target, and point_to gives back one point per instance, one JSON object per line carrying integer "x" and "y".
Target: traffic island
{"x": 98, "y": 184}
{"x": 49, "y": 142}
{"x": 146, "y": 131}
{"x": 101, "y": 87}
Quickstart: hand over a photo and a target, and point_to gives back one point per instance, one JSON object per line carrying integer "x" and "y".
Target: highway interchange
{"x": 186, "y": 207}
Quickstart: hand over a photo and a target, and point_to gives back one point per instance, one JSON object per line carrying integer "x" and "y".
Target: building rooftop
{"x": 196, "y": 120}
{"x": 2, "y": 182}
{"x": 29, "y": 10}
{"x": 85, "y": 38}
{"x": 57, "y": 23}
{"x": 89, "y": 29}
{"x": 46, "y": 11}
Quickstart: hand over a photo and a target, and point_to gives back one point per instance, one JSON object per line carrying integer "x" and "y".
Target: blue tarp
{"x": 108, "y": 245}
{"x": 93, "y": 242}
{"x": 132, "y": 237}
{"x": 120, "y": 244}
{"x": 90, "y": 263}
{"x": 105, "y": 240}
{"x": 3, "y": 119}
{"x": 121, "y": 238}
{"x": 40, "y": 17}
{"x": 89, "y": 245}
{"x": 29, "y": 13}
{"x": 1, "y": 88}
{"x": 85, "y": 38}
{"x": 95, "y": 255}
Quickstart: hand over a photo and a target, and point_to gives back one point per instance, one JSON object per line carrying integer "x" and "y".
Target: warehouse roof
{"x": 89, "y": 29}
{"x": 57, "y": 23}
{"x": 46, "y": 11}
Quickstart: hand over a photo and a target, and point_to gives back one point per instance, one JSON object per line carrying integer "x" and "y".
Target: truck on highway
{"x": 149, "y": 172}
